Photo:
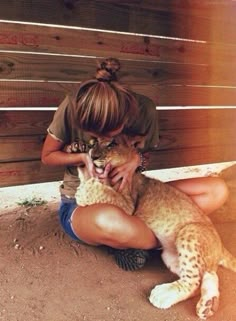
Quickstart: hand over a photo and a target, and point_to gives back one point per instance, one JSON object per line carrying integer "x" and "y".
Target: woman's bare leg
{"x": 209, "y": 193}
{"x": 104, "y": 224}
{"x": 108, "y": 225}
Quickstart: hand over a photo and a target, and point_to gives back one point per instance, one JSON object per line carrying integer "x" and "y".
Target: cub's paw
{"x": 209, "y": 301}
{"x": 164, "y": 296}
{"x": 207, "y": 307}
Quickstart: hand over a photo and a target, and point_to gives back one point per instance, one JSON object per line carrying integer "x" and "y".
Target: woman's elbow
{"x": 49, "y": 154}
{"x": 44, "y": 159}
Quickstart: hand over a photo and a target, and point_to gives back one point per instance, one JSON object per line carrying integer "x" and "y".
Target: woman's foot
{"x": 130, "y": 259}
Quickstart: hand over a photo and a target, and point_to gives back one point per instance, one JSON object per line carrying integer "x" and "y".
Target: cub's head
{"x": 116, "y": 151}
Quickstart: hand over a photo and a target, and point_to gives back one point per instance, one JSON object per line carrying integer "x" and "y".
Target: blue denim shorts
{"x": 66, "y": 209}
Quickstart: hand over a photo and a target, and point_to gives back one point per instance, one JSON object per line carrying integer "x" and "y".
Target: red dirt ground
{"x": 45, "y": 276}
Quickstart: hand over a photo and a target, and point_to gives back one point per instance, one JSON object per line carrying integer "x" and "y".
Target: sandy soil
{"x": 45, "y": 276}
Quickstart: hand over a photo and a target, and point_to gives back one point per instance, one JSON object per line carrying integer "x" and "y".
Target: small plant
{"x": 31, "y": 202}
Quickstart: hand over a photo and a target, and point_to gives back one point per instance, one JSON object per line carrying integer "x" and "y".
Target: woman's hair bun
{"x": 107, "y": 70}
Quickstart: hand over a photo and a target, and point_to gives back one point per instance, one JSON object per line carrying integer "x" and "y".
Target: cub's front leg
{"x": 93, "y": 191}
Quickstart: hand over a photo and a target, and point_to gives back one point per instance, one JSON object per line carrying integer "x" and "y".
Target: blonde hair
{"x": 102, "y": 104}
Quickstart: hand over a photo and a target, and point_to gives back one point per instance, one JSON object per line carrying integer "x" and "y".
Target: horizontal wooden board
{"x": 29, "y": 172}
{"x": 21, "y": 148}
{"x": 191, "y": 138}
{"x": 41, "y": 39}
{"x": 59, "y": 68}
{"x": 18, "y": 148}
{"x": 197, "y": 119}
{"x": 33, "y": 94}
{"x": 196, "y": 96}
{"x": 28, "y": 123}
{"x": 188, "y": 137}
{"x": 24, "y": 122}
{"x": 193, "y": 156}
{"x": 21, "y": 122}
{"x": 45, "y": 94}
{"x": 21, "y": 173}
{"x": 192, "y": 19}
{"x": 19, "y": 66}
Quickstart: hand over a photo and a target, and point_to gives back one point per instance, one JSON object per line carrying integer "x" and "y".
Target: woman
{"x": 103, "y": 108}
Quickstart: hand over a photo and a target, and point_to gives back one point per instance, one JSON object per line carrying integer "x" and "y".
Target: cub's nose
{"x": 94, "y": 157}
{"x": 94, "y": 154}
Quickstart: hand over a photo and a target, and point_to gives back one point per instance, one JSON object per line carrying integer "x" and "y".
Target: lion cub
{"x": 192, "y": 248}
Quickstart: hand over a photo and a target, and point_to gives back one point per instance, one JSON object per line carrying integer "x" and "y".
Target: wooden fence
{"x": 177, "y": 53}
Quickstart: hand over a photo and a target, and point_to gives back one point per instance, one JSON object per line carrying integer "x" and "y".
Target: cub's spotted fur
{"x": 191, "y": 246}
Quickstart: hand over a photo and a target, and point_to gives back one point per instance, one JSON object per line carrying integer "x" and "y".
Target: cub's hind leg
{"x": 209, "y": 301}
{"x": 165, "y": 295}
{"x": 193, "y": 251}
{"x": 201, "y": 244}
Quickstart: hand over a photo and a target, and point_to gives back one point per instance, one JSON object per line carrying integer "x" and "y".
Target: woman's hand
{"x": 88, "y": 163}
{"x": 125, "y": 172}
{"x": 104, "y": 176}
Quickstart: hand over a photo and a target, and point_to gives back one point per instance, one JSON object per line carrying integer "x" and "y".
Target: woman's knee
{"x": 112, "y": 223}
{"x": 219, "y": 190}
{"x": 209, "y": 193}
{"x": 103, "y": 224}
{"x": 215, "y": 194}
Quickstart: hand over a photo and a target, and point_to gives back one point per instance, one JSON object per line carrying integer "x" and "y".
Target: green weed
{"x": 32, "y": 202}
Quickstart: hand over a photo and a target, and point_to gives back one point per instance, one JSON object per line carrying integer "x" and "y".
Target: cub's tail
{"x": 228, "y": 260}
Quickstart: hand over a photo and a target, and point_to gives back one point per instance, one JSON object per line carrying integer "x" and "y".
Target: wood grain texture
{"x": 21, "y": 148}
{"x": 58, "y": 68}
{"x": 21, "y": 173}
{"x": 190, "y": 157}
{"x": 26, "y": 148}
{"x": 42, "y": 39}
{"x": 18, "y": 66}
{"x": 33, "y": 94}
{"x": 28, "y": 123}
{"x": 197, "y": 119}
{"x": 46, "y": 94}
{"x": 24, "y": 122}
{"x": 39, "y": 65}
{"x": 196, "y": 96}
{"x": 183, "y": 19}
{"x": 187, "y": 137}
{"x": 29, "y": 172}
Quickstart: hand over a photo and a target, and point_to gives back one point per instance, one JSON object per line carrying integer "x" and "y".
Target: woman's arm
{"x": 53, "y": 154}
